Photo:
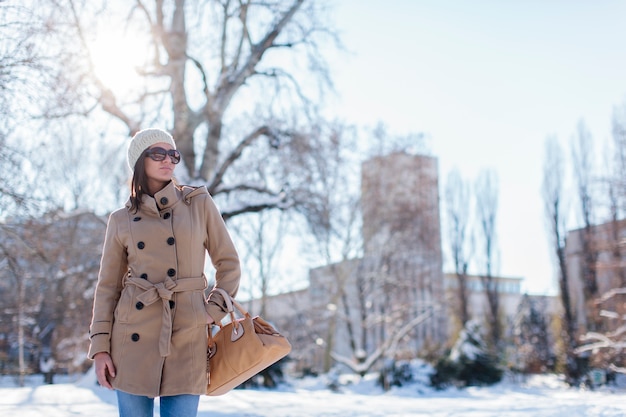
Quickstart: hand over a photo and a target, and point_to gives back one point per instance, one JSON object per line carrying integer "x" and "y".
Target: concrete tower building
{"x": 402, "y": 236}
{"x": 364, "y": 303}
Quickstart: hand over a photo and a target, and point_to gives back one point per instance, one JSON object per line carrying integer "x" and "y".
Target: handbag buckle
{"x": 237, "y": 331}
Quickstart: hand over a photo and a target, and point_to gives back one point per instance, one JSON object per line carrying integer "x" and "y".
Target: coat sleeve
{"x": 113, "y": 267}
{"x": 224, "y": 258}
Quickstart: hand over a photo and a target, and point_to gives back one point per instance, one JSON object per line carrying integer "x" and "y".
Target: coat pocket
{"x": 125, "y": 303}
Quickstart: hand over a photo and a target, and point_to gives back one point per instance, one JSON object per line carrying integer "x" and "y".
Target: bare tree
{"x": 487, "y": 209}
{"x": 553, "y": 194}
{"x": 15, "y": 272}
{"x": 365, "y": 304}
{"x": 393, "y": 291}
{"x": 263, "y": 238}
{"x": 619, "y": 153}
{"x": 582, "y": 157}
{"x": 76, "y": 173}
{"x": 388, "y": 347}
{"x": 222, "y": 74}
{"x": 332, "y": 218}
{"x": 51, "y": 263}
{"x": 457, "y": 200}
{"x": 23, "y": 76}
{"x": 22, "y": 60}
{"x": 44, "y": 162}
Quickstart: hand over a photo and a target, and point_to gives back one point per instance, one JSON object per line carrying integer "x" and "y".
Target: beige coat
{"x": 149, "y": 310}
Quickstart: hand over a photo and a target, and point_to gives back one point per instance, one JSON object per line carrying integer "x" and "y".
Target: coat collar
{"x": 164, "y": 199}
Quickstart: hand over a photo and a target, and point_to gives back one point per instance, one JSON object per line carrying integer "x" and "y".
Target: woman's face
{"x": 159, "y": 173}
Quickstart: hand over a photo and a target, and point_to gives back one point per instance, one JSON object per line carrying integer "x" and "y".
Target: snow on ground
{"x": 538, "y": 396}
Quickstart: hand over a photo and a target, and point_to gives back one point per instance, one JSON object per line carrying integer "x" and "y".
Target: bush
{"x": 446, "y": 373}
{"x": 467, "y": 363}
{"x": 482, "y": 370}
{"x": 395, "y": 373}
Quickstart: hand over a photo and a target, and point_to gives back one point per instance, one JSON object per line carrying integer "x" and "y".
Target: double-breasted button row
{"x": 170, "y": 241}
{"x": 170, "y": 273}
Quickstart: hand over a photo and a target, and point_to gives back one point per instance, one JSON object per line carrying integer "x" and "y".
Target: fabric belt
{"x": 164, "y": 290}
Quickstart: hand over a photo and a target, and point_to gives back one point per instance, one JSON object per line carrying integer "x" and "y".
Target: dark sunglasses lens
{"x": 174, "y": 155}
{"x": 156, "y": 154}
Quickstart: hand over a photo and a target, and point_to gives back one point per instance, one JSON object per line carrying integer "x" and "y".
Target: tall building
{"x": 396, "y": 294}
{"x": 402, "y": 235}
{"x": 608, "y": 243}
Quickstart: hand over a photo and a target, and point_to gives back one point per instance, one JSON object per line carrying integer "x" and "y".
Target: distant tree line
{"x": 595, "y": 260}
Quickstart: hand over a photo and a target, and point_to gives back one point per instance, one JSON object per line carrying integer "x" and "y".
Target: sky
{"x": 539, "y": 396}
{"x": 487, "y": 82}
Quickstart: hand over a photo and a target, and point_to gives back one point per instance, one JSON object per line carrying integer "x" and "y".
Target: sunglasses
{"x": 159, "y": 154}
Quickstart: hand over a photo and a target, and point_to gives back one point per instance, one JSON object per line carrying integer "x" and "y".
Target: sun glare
{"x": 116, "y": 55}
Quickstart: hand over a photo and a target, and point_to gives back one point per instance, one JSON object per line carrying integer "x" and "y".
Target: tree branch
{"x": 229, "y": 85}
{"x": 235, "y": 154}
{"x": 389, "y": 345}
{"x": 252, "y": 208}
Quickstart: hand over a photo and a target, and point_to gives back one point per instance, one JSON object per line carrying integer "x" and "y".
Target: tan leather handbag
{"x": 241, "y": 348}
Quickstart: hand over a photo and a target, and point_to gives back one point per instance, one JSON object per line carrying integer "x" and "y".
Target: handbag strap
{"x": 228, "y": 300}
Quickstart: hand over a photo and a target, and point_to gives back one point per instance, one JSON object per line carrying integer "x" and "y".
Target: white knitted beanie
{"x": 143, "y": 140}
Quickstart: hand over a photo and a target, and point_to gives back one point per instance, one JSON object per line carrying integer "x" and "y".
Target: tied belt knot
{"x": 164, "y": 291}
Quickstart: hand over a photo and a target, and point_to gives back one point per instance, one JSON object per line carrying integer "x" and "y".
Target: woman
{"x": 150, "y": 317}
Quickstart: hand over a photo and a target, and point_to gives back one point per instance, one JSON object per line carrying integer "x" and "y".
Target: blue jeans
{"x": 131, "y": 405}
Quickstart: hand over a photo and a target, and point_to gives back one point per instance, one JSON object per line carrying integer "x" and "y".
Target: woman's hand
{"x": 104, "y": 368}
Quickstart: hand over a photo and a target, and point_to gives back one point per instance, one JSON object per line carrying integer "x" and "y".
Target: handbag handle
{"x": 231, "y": 303}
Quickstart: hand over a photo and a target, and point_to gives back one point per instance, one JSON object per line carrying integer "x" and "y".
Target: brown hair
{"x": 139, "y": 184}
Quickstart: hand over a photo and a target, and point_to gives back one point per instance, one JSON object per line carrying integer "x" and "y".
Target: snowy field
{"x": 536, "y": 397}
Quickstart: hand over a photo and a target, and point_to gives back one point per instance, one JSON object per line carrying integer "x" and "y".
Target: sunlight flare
{"x": 116, "y": 56}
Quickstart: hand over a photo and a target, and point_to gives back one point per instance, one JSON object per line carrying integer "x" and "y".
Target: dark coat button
{"x": 164, "y": 200}
{"x": 170, "y": 240}
{"x": 167, "y": 216}
{"x": 141, "y": 245}
{"x": 136, "y": 219}
{"x": 144, "y": 276}
{"x": 139, "y": 305}
{"x": 134, "y": 337}
{"x": 171, "y": 272}
{"x": 172, "y": 303}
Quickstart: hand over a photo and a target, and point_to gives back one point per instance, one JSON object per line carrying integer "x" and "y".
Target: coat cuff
{"x": 100, "y": 336}
{"x": 99, "y": 343}
{"x": 215, "y": 311}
